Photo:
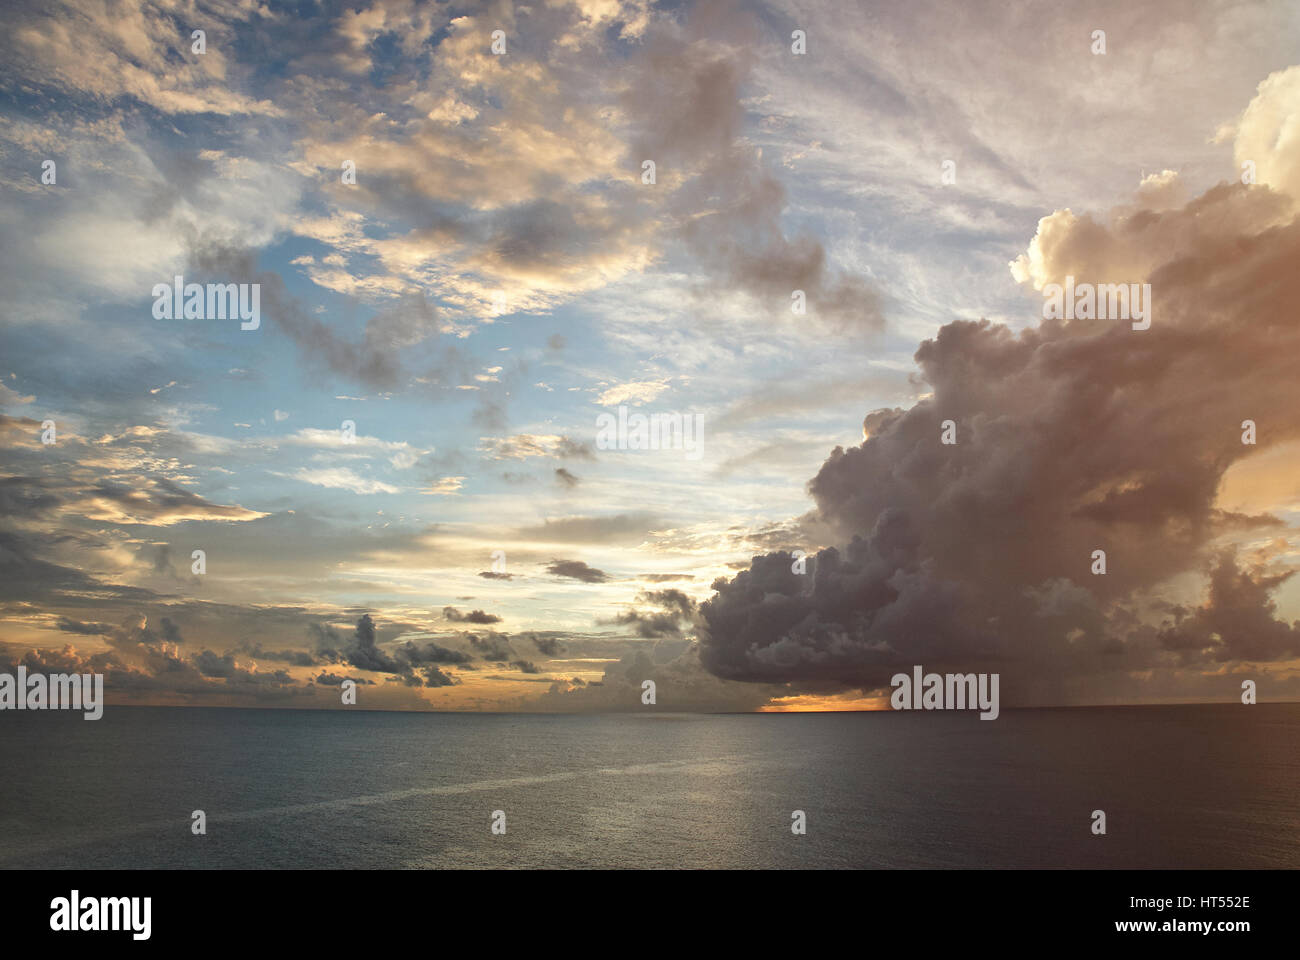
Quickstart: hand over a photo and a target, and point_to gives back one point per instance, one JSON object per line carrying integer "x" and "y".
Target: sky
{"x": 464, "y": 261}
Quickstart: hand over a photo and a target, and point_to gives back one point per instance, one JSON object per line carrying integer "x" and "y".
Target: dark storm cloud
{"x": 650, "y": 624}
{"x": 162, "y": 558}
{"x": 364, "y": 654}
{"x": 426, "y": 653}
{"x": 492, "y": 646}
{"x": 327, "y": 641}
{"x": 1070, "y": 437}
{"x": 433, "y": 677}
{"x": 547, "y": 644}
{"x": 326, "y": 679}
{"x": 474, "y": 616}
{"x": 211, "y": 665}
{"x": 296, "y": 658}
{"x": 674, "y": 607}
{"x": 408, "y": 661}
{"x": 565, "y": 478}
{"x": 670, "y": 599}
{"x": 85, "y": 629}
{"x": 525, "y": 666}
{"x": 516, "y": 678}
{"x": 576, "y": 570}
{"x": 170, "y": 632}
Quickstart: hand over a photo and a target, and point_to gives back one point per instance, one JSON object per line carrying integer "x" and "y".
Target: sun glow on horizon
{"x": 812, "y": 703}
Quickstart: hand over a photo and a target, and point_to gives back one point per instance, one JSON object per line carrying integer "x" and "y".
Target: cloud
{"x": 512, "y": 184}
{"x": 474, "y": 616}
{"x": 211, "y": 665}
{"x": 686, "y": 97}
{"x": 505, "y": 192}
{"x": 681, "y": 684}
{"x": 547, "y": 644}
{"x": 492, "y": 646}
{"x": 576, "y": 570}
{"x": 341, "y": 478}
{"x": 674, "y": 607}
{"x": 416, "y": 654}
{"x": 328, "y": 679}
{"x": 1237, "y": 622}
{"x": 636, "y": 393}
{"x": 415, "y": 664}
{"x": 363, "y": 652}
{"x": 524, "y": 445}
{"x": 447, "y": 486}
{"x": 85, "y": 629}
{"x": 151, "y": 500}
{"x": 1268, "y": 133}
{"x": 434, "y": 677}
{"x": 1071, "y": 437}
{"x": 134, "y": 50}
{"x": 297, "y": 658}
{"x": 10, "y": 397}
{"x": 399, "y": 453}
{"x": 140, "y": 660}
{"x": 375, "y": 359}
{"x": 631, "y": 528}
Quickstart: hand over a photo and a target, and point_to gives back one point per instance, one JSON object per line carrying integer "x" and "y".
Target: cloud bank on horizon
{"x": 476, "y": 230}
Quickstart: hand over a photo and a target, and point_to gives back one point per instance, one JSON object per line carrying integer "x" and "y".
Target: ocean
{"x": 1196, "y": 786}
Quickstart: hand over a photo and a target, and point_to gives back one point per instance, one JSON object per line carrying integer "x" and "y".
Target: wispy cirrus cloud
{"x": 341, "y": 478}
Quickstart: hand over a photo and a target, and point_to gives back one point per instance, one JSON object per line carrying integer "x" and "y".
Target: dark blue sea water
{"x": 1182, "y": 786}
